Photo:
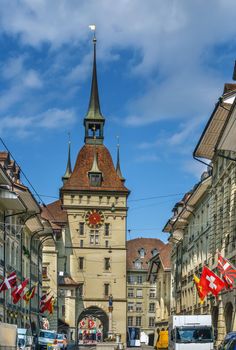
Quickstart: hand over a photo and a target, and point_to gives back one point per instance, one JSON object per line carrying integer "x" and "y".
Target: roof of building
{"x": 66, "y": 280}
{"x": 165, "y": 256}
{"x": 79, "y": 179}
{"x": 229, "y": 87}
{"x": 134, "y": 246}
{"x": 54, "y": 214}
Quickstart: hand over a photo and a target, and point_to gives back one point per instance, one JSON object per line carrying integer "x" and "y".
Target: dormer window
{"x": 95, "y": 175}
{"x": 95, "y": 179}
{"x": 138, "y": 264}
{"x": 142, "y": 253}
{"x": 154, "y": 252}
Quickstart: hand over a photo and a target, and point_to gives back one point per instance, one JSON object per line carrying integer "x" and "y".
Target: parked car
{"x": 228, "y": 338}
{"x": 231, "y": 345}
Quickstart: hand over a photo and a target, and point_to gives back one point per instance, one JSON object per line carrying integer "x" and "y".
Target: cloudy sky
{"x": 161, "y": 68}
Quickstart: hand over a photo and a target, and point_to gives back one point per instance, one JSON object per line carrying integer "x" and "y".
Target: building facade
{"x": 90, "y": 221}
{"x": 203, "y": 222}
{"x": 159, "y": 273}
{"x": 20, "y": 227}
{"x": 141, "y": 294}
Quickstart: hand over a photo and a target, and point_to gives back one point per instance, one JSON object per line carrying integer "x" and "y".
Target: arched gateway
{"x": 92, "y": 325}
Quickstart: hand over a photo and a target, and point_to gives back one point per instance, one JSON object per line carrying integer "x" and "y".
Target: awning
{"x": 228, "y": 139}
{"x": 210, "y": 136}
{"x": 9, "y": 200}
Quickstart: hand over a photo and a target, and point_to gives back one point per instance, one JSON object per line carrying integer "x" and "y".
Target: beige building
{"x": 159, "y": 273}
{"x": 21, "y": 231}
{"x": 203, "y": 223}
{"x": 90, "y": 224}
{"x": 141, "y": 294}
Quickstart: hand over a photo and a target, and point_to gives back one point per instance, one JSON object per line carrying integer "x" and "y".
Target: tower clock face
{"x": 94, "y": 218}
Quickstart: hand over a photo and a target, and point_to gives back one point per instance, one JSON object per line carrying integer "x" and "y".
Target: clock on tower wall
{"x": 94, "y": 218}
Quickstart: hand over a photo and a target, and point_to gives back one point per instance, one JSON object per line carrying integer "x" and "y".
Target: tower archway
{"x": 92, "y": 325}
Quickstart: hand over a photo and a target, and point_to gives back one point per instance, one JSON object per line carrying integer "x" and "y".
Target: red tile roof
{"x": 54, "y": 214}
{"x": 79, "y": 179}
{"x": 148, "y": 244}
{"x": 165, "y": 256}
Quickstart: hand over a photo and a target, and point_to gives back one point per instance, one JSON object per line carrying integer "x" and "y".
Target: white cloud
{"x": 51, "y": 119}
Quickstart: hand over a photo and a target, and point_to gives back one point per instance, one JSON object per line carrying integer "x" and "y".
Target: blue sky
{"x": 161, "y": 68}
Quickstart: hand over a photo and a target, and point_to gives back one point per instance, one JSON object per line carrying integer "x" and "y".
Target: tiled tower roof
{"x": 79, "y": 179}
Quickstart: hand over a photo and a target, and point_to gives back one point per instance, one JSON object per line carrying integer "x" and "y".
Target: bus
{"x": 133, "y": 337}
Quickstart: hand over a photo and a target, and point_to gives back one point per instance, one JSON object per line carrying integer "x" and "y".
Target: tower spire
{"x": 94, "y": 117}
{"x": 68, "y": 167}
{"x": 118, "y": 171}
{"x": 94, "y": 111}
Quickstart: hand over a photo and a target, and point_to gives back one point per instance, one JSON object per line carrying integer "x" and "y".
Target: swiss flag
{"x": 8, "y": 282}
{"x": 213, "y": 283}
{"x": 19, "y": 290}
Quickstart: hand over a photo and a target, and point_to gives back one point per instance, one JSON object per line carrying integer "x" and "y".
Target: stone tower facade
{"x": 90, "y": 221}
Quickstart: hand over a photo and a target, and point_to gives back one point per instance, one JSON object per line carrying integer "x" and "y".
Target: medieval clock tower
{"x": 92, "y": 247}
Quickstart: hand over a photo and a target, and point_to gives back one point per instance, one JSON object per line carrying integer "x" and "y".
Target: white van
{"x": 191, "y": 332}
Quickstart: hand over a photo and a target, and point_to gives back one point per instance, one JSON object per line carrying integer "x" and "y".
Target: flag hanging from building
{"x": 19, "y": 290}
{"x": 202, "y": 289}
{"x": 213, "y": 283}
{"x": 227, "y": 270}
{"x": 8, "y": 282}
{"x": 45, "y": 297}
{"x": 30, "y": 293}
{"x": 47, "y": 305}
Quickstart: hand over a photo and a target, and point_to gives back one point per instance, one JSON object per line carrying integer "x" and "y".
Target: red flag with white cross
{"x": 213, "y": 283}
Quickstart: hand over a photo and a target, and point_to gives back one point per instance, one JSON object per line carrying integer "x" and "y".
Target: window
{"x": 140, "y": 279}
{"x": 107, "y": 229}
{"x": 94, "y": 237}
{"x": 80, "y": 289}
{"x": 130, "y": 307}
{"x": 151, "y": 321}
{"x": 152, "y": 293}
{"x": 95, "y": 179}
{"x": 138, "y": 264}
{"x": 152, "y": 307}
{"x": 138, "y": 321}
{"x": 106, "y": 244}
{"x": 81, "y": 243}
{"x": 63, "y": 310}
{"x": 45, "y": 272}
{"x": 130, "y": 320}
{"x": 139, "y": 307}
{"x": 139, "y": 293}
{"x": 81, "y": 263}
{"x": 81, "y": 228}
{"x": 142, "y": 253}
{"x": 107, "y": 264}
{"x": 130, "y": 293}
{"x": 131, "y": 279}
{"x": 154, "y": 252}
{"x": 106, "y": 289}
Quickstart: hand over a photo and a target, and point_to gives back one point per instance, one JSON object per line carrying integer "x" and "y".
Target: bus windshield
{"x": 194, "y": 335}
